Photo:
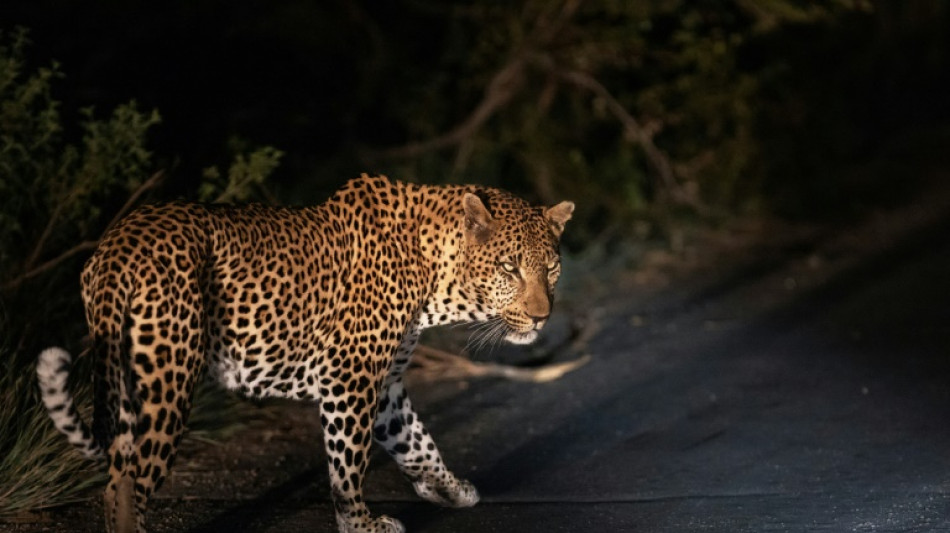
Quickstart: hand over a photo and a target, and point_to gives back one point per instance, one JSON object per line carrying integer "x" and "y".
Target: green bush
{"x": 56, "y": 199}
{"x": 638, "y": 110}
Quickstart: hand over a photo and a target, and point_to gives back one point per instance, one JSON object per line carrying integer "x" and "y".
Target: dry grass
{"x": 38, "y": 467}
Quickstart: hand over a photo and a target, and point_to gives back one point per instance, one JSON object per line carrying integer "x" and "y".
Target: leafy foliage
{"x": 247, "y": 173}
{"x": 56, "y": 198}
{"x": 51, "y": 190}
{"x": 638, "y": 108}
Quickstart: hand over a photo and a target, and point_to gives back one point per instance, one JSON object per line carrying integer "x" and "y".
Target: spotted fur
{"x": 322, "y": 304}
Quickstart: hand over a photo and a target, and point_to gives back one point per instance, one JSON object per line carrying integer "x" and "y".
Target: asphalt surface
{"x": 804, "y": 386}
{"x": 806, "y": 390}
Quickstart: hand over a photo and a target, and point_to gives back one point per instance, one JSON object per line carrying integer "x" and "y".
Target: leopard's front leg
{"x": 399, "y": 430}
{"x": 347, "y": 409}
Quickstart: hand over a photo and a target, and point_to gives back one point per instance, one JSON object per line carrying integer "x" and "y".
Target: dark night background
{"x": 766, "y": 379}
{"x": 328, "y": 82}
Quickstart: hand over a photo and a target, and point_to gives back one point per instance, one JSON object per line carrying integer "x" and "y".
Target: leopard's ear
{"x": 558, "y": 216}
{"x": 479, "y": 223}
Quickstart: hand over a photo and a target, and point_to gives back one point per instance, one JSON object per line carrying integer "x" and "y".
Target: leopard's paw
{"x": 380, "y": 524}
{"x": 446, "y": 490}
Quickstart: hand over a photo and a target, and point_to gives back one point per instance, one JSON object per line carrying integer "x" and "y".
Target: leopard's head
{"x": 513, "y": 260}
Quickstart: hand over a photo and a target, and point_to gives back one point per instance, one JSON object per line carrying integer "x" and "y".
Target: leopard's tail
{"x": 52, "y": 371}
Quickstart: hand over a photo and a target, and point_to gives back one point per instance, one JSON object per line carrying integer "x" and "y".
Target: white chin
{"x": 515, "y": 337}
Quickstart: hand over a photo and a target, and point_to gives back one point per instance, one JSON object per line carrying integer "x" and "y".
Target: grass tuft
{"x": 38, "y": 467}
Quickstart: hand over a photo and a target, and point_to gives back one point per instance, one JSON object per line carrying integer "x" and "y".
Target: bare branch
{"x": 153, "y": 181}
{"x": 150, "y": 183}
{"x": 633, "y": 131}
{"x": 449, "y": 365}
{"x": 41, "y": 242}
{"x": 81, "y": 247}
{"x": 544, "y": 32}
{"x": 502, "y": 87}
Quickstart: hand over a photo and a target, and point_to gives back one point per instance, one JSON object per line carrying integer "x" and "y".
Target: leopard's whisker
{"x": 485, "y": 334}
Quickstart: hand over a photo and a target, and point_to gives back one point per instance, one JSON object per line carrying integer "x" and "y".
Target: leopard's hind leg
{"x": 163, "y": 356}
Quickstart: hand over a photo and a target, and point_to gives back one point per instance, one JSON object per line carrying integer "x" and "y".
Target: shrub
{"x": 56, "y": 198}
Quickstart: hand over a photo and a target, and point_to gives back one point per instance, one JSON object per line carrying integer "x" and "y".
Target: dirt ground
{"x": 765, "y": 378}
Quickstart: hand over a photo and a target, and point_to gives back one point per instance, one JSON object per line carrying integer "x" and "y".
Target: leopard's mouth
{"x": 520, "y": 331}
{"x": 521, "y": 337}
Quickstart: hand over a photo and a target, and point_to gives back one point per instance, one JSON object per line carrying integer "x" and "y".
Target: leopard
{"x": 322, "y": 304}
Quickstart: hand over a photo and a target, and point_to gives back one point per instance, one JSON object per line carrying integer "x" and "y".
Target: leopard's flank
{"x": 323, "y": 304}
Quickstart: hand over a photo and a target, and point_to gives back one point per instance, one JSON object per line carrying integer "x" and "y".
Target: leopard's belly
{"x": 260, "y": 368}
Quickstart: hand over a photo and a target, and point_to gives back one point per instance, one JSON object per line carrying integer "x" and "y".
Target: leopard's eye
{"x": 507, "y": 266}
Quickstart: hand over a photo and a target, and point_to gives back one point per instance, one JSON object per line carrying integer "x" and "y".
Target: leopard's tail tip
{"x": 52, "y": 372}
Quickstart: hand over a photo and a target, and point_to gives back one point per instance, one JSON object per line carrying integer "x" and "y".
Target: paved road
{"x": 804, "y": 388}
{"x": 778, "y": 398}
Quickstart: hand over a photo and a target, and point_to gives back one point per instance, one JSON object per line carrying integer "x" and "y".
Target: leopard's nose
{"x": 538, "y": 320}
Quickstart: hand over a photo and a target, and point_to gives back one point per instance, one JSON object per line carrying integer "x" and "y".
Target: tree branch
{"x": 153, "y": 181}
{"x": 544, "y": 32}
{"x": 150, "y": 183}
{"x": 633, "y": 131}
{"x": 450, "y": 365}
{"x": 81, "y": 247}
{"x": 502, "y": 87}
{"x": 41, "y": 242}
